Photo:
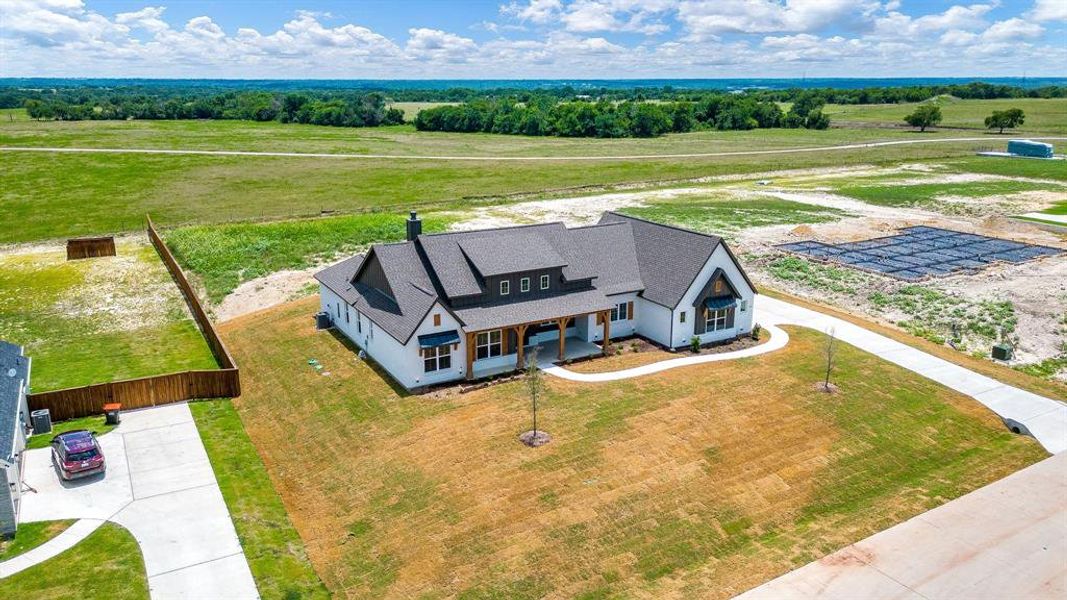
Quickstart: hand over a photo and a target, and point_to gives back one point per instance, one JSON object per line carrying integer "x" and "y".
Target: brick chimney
{"x": 414, "y": 226}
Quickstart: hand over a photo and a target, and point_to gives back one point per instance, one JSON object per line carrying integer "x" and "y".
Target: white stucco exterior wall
{"x": 403, "y": 361}
{"x": 683, "y": 332}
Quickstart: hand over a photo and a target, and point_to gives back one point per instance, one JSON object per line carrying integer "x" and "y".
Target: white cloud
{"x": 434, "y": 44}
{"x": 712, "y": 18}
{"x": 1049, "y": 10}
{"x": 149, "y": 18}
{"x": 896, "y": 25}
{"x": 536, "y": 11}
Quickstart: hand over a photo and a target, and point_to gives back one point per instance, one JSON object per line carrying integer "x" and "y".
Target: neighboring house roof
{"x": 620, "y": 254}
{"x": 14, "y": 379}
{"x": 670, "y": 258}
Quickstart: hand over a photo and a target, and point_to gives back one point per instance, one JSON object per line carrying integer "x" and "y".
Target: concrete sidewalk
{"x": 1044, "y": 418}
{"x": 160, "y": 486}
{"x": 1006, "y": 540}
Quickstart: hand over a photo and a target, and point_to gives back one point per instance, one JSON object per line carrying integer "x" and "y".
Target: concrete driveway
{"x": 1006, "y": 540}
{"x": 160, "y": 486}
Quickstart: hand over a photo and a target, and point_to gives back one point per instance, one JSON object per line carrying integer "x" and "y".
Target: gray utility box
{"x": 1003, "y": 352}
{"x": 323, "y": 320}
{"x": 41, "y": 421}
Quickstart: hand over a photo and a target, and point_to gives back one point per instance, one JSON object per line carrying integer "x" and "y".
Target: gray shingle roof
{"x": 14, "y": 379}
{"x": 670, "y": 258}
{"x": 503, "y": 254}
{"x": 413, "y": 290}
{"x": 529, "y": 311}
{"x": 620, "y": 254}
{"x": 610, "y": 253}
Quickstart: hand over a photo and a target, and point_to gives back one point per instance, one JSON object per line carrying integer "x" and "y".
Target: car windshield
{"x": 86, "y": 455}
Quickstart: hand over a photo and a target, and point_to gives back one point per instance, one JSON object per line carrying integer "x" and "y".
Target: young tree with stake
{"x": 831, "y": 351}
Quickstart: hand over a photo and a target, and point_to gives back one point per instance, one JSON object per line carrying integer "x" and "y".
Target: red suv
{"x": 77, "y": 454}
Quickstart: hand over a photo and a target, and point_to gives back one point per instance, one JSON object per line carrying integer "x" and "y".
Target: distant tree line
{"x": 347, "y": 110}
{"x": 544, "y": 115}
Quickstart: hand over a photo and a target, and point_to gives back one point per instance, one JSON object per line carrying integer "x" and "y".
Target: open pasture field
{"x": 99, "y": 319}
{"x": 697, "y": 482}
{"x": 62, "y": 195}
{"x": 411, "y": 109}
{"x": 1042, "y": 115}
{"x": 404, "y": 140}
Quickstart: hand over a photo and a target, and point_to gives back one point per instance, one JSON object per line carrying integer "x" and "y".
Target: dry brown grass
{"x": 696, "y": 482}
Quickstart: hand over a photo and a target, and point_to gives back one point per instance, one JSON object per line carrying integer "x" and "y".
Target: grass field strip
{"x": 503, "y": 158}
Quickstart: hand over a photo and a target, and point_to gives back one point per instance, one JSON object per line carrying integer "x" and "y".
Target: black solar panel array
{"x": 920, "y": 252}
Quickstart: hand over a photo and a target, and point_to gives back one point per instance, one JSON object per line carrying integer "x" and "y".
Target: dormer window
{"x": 524, "y": 284}
{"x": 505, "y": 287}
{"x": 544, "y": 282}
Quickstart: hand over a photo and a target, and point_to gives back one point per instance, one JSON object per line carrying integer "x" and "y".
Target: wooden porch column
{"x": 607, "y": 332}
{"x": 470, "y": 355}
{"x": 520, "y": 332}
{"x": 563, "y": 335}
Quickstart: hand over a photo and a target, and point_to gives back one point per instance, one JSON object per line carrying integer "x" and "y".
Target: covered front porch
{"x": 495, "y": 351}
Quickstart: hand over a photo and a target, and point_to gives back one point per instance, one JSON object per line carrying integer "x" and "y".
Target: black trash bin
{"x": 111, "y": 413}
{"x": 41, "y": 421}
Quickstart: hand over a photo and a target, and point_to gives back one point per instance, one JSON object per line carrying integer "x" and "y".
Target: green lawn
{"x": 926, "y": 194}
{"x": 727, "y": 214}
{"x": 97, "y": 320}
{"x": 1042, "y": 115}
{"x": 273, "y": 549}
{"x": 223, "y": 257}
{"x": 30, "y": 535}
{"x": 753, "y": 472}
{"x": 95, "y": 424}
{"x": 60, "y": 195}
{"x": 107, "y": 564}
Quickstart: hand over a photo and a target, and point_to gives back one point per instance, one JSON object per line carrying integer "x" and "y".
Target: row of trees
{"x": 544, "y": 115}
{"x": 80, "y": 92}
{"x": 349, "y": 110}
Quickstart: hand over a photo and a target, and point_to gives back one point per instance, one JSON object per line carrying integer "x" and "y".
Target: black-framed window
{"x": 681, "y": 317}
{"x": 718, "y": 319}
{"x": 524, "y": 284}
{"x": 488, "y": 344}
{"x": 346, "y": 313}
{"x": 544, "y": 282}
{"x": 436, "y": 359}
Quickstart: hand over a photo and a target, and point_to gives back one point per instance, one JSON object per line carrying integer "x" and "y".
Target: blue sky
{"x": 413, "y": 39}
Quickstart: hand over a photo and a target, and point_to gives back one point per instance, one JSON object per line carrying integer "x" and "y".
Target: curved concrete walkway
{"x": 779, "y": 339}
{"x": 856, "y": 146}
{"x": 160, "y": 486}
{"x": 78, "y": 531}
{"x": 1044, "y": 418}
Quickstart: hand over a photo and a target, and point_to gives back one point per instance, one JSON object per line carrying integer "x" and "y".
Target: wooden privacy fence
{"x": 88, "y": 400}
{"x": 143, "y": 392}
{"x": 222, "y": 354}
{"x": 79, "y": 248}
